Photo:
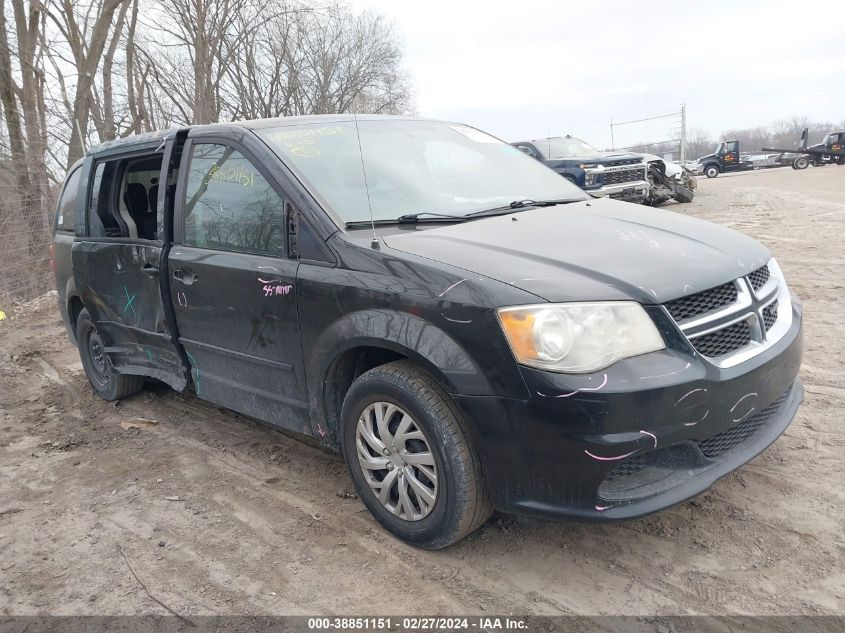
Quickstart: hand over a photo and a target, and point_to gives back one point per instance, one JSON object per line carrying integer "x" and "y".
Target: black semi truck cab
{"x": 726, "y": 158}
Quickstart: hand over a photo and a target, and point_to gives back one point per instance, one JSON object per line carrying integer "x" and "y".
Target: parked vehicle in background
{"x": 829, "y": 151}
{"x": 726, "y": 158}
{"x": 668, "y": 181}
{"x": 468, "y": 329}
{"x": 623, "y": 176}
{"x": 771, "y": 160}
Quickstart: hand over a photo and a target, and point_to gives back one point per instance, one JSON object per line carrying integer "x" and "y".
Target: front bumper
{"x": 635, "y": 191}
{"x": 637, "y": 437}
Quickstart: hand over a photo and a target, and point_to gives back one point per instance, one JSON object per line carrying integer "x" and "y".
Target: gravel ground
{"x": 167, "y": 500}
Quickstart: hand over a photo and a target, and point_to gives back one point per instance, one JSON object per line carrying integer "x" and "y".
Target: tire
{"x": 437, "y": 437}
{"x": 711, "y": 171}
{"x": 683, "y": 194}
{"x": 107, "y": 383}
{"x": 802, "y": 162}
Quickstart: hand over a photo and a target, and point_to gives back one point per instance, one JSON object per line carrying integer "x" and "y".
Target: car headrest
{"x": 152, "y": 197}
{"x": 136, "y": 199}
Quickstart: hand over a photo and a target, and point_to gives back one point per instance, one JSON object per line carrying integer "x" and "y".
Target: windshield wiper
{"x": 518, "y": 205}
{"x": 411, "y": 218}
{"x": 416, "y": 218}
{"x": 408, "y": 218}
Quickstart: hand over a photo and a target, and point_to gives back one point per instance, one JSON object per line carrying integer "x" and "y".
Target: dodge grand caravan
{"x": 466, "y": 327}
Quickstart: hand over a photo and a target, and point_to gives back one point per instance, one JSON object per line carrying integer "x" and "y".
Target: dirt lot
{"x": 217, "y": 515}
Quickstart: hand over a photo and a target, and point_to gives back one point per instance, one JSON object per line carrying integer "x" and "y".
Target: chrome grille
{"x": 703, "y": 302}
{"x": 733, "y": 322}
{"x": 622, "y": 176}
{"x": 770, "y": 314}
{"x": 626, "y": 161}
{"x": 724, "y": 341}
{"x": 759, "y": 277}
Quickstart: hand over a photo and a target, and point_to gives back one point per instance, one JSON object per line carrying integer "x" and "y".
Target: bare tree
{"x": 205, "y": 32}
{"x": 23, "y": 111}
{"x": 351, "y": 60}
{"x": 699, "y": 143}
{"x": 86, "y": 38}
{"x": 78, "y": 72}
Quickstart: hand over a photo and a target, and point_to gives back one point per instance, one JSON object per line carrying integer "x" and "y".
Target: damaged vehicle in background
{"x": 626, "y": 176}
{"x": 468, "y": 329}
{"x": 668, "y": 181}
{"x": 619, "y": 175}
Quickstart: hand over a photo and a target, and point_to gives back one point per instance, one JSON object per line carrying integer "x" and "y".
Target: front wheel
{"x": 711, "y": 171}
{"x": 802, "y": 162}
{"x": 683, "y": 194}
{"x": 108, "y": 384}
{"x": 410, "y": 458}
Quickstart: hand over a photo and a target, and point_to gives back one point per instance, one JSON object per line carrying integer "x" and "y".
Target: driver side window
{"x": 229, "y": 205}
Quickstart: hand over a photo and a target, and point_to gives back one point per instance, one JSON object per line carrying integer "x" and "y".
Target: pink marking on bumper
{"x": 567, "y": 395}
{"x": 652, "y": 436}
{"x": 610, "y": 459}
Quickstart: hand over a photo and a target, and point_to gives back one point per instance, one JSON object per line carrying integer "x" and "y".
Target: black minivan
{"x": 468, "y": 328}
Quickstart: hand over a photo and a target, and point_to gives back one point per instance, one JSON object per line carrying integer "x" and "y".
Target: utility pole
{"x": 612, "y": 142}
{"x": 683, "y": 133}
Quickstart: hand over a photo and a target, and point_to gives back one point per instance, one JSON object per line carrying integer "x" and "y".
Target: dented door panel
{"x": 238, "y": 322}
{"x": 119, "y": 280}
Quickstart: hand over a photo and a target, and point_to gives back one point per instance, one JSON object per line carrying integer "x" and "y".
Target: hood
{"x": 597, "y": 157}
{"x": 597, "y": 250}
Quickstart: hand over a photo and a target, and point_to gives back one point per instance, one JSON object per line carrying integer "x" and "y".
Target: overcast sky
{"x": 528, "y": 68}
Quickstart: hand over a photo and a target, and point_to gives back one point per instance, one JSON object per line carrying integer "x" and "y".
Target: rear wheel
{"x": 108, "y": 384}
{"x": 408, "y": 451}
{"x": 802, "y": 162}
{"x": 711, "y": 171}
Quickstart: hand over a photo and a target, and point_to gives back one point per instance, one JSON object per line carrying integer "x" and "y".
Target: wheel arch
{"x": 367, "y": 339}
{"x": 74, "y": 307}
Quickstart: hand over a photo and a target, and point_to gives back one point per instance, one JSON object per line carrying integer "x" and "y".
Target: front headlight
{"x": 578, "y": 337}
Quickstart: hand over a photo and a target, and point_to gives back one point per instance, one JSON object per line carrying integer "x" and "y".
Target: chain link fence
{"x": 25, "y": 235}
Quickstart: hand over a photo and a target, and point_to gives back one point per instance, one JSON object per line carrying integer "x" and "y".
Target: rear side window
{"x": 124, "y": 198}
{"x": 100, "y": 221}
{"x": 229, "y": 205}
{"x": 67, "y": 203}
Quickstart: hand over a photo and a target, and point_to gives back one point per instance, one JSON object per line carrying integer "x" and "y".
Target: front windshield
{"x": 564, "y": 147}
{"x": 412, "y": 166}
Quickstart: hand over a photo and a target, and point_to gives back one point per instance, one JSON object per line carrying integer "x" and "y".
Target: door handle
{"x": 185, "y": 276}
{"x": 149, "y": 270}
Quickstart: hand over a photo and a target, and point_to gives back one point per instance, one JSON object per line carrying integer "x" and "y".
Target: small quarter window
{"x": 527, "y": 149}
{"x": 229, "y": 205}
{"x": 67, "y": 203}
